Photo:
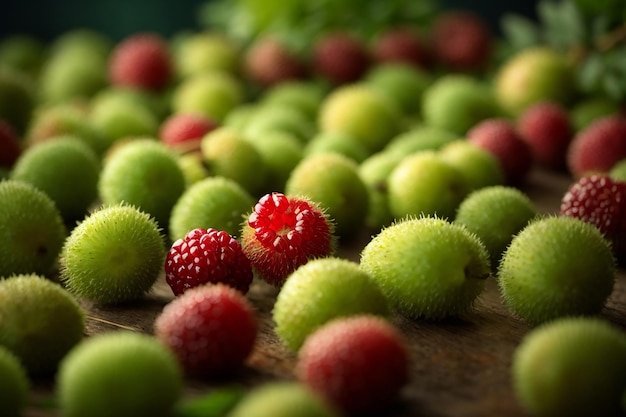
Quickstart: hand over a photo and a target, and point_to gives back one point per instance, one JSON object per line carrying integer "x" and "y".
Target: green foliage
{"x": 591, "y": 32}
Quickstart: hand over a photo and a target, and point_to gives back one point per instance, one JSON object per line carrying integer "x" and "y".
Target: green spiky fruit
{"x": 332, "y": 180}
{"x": 204, "y": 52}
{"x": 143, "y": 173}
{"x": 480, "y": 167}
{"x": 114, "y": 255}
{"x": 362, "y": 112}
{"x": 458, "y": 102}
{"x": 312, "y": 295}
{"x": 282, "y": 399}
{"x": 214, "y": 94}
{"x": 31, "y": 228}
{"x": 41, "y": 321}
{"x": 427, "y": 267}
{"x": 496, "y": 214}
{"x": 571, "y": 367}
{"x": 533, "y": 75}
{"x": 66, "y": 169}
{"x": 556, "y": 266}
{"x": 227, "y": 154}
{"x": 122, "y": 374}
{"x": 302, "y": 95}
{"x": 424, "y": 183}
{"x": 216, "y": 202}
{"x": 420, "y": 138}
{"x": 14, "y": 384}
{"x": 17, "y": 98}
{"x": 339, "y": 143}
{"x": 282, "y": 119}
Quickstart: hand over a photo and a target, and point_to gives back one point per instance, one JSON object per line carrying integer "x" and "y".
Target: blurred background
{"x": 46, "y": 19}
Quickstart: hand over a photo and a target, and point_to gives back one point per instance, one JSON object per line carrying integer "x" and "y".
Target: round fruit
{"x": 427, "y": 267}
{"x": 114, "y": 255}
{"x": 556, "y": 266}
{"x": 312, "y": 295}
{"x": 121, "y": 374}
{"x": 14, "y": 384}
{"x": 41, "y": 321}
{"x": 479, "y": 167}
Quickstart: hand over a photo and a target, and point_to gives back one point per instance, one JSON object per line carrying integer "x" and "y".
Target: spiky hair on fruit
{"x": 283, "y": 232}
{"x": 114, "y": 255}
{"x": 31, "y": 229}
{"x": 41, "y": 321}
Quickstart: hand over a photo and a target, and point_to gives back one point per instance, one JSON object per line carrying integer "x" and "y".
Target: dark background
{"x": 46, "y": 19}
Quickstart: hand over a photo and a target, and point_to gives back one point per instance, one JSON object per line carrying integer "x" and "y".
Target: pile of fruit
{"x": 221, "y": 160}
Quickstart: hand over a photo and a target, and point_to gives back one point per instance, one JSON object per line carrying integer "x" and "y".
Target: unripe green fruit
{"x": 275, "y": 118}
{"x": 143, "y": 173}
{"x": 496, "y": 214}
{"x": 427, "y": 267}
{"x": 312, "y": 295}
{"x": 216, "y": 202}
{"x": 282, "y": 399}
{"x": 205, "y": 51}
{"x": 114, "y": 255}
{"x": 479, "y": 166}
{"x": 332, "y": 181}
{"x": 556, "y": 266}
{"x": 14, "y": 384}
{"x": 590, "y": 109}
{"x": 339, "y": 143}
{"x": 304, "y": 96}
{"x": 420, "y": 138}
{"x": 17, "y": 98}
{"x": 66, "y": 169}
{"x": 571, "y": 367}
{"x": 39, "y": 321}
{"x": 423, "y": 183}
{"x": 120, "y": 374}
{"x": 32, "y": 231}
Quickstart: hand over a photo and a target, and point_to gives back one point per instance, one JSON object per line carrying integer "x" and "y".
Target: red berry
{"x": 10, "y": 146}
{"x": 546, "y": 127}
{"x": 500, "y": 137}
{"x": 402, "y": 45}
{"x": 207, "y": 256}
{"x": 283, "y": 233}
{"x": 461, "y": 41}
{"x": 186, "y": 130}
{"x": 340, "y": 58}
{"x": 358, "y": 363}
{"x": 269, "y": 61}
{"x": 598, "y": 147}
{"x": 143, "y": 61}
{"x": 211, "y": 329}
{"x": 601, "y": 201}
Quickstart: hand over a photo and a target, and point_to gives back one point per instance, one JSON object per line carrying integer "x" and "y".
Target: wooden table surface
{"x": 460, "y": 367}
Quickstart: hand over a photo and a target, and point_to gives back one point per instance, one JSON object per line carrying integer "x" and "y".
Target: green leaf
{"x": 519, "y": 31}
{"x": 215, "y": 404}
{"x": 563, "y": 24}
{"x": 591, "y": 71}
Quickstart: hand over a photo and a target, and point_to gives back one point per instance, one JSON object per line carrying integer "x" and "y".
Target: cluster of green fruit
{"x": 96, "y": 190}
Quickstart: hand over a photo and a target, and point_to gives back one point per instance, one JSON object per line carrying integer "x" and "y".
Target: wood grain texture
{"x": 460, "y": 366}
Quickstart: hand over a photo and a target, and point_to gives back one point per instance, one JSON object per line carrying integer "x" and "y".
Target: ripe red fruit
{"x": 546, "y": 127}
{"x": 601, "y": 201}
{"x": 185, "y": 130}
{"x": 269, "y": 61}
{"x": 10, "y": 145}
{"x": 500, "y": 137}
{"x": 461, "y": 41}
{"x": 207, "y": 256}
{"x": 598, "y": 147}
{"x": 340, "y": 57}
{"x": 358, "y": 363}
{"x": 211, "y": 329}
{"x": 401, "y": 45}
{"x": 283, "y": 233}
{"x": 143, "y": 61}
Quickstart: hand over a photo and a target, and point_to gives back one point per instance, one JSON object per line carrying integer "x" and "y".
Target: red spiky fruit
{"x": 340, "y": 57}
{"x": 284, "y": 232}
{"x": 500, "y": 138}
{"x": 357, "y": 363}
{"x": 211, "y": 329}
{"x": 601, "y": 201}
{"x": 10, "y": 145}
{"x": 184, "y": 131}
{"x": 207, "y": 256}
{"x": 141, "y": 60}
{"x": 402, "y": 45}
{"x": 461, "y": 41}
{"x": 547, "y": 129}
{"x": 598, "y": 147}
{"x": 269, "y": 61}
